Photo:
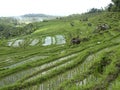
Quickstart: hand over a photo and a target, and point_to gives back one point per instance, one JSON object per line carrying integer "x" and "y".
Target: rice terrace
{"x": 75, "y": 52}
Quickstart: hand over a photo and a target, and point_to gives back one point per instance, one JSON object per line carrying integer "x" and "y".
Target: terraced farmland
{"x": 47, "y": 60}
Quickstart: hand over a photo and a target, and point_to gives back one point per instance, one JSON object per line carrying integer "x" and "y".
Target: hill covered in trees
{"x": 21, "y": 25}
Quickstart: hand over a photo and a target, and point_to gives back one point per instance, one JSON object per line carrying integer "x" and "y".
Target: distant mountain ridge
{"x": 29, "y": 18}
{"x": 37, "y": 15}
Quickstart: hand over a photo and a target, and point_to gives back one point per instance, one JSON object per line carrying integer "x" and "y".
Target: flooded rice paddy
{"x": 48, "y": 40}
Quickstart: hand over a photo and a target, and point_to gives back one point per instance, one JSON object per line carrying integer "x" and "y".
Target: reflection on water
{"x": 48, "y": 40}
{"x": 58, "y": 39}
{"x": 10, "y": 43}
{"x": 34, "y": 42}
{"x": 17, "y": 43}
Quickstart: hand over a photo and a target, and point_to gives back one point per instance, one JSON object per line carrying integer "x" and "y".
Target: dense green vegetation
{"x": 114, "y": 6}
{"x": 20, "y": 25}
{"x": 91, "y": 65}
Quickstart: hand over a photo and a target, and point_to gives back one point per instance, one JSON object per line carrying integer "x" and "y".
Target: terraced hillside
{"x": 48, "y": 60}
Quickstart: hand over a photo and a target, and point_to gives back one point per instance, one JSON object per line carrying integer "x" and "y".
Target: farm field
{"x": 48, "y": 59}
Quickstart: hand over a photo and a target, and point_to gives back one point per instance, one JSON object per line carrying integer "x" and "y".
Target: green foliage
{"x": 95, "y": 10}
{"x": 93, "y": 67}
{"x": 8, "y": 21}
{"x": 115, "y": 7}
{"x": 7, "y": 31}
{"x": 110, "y": 7}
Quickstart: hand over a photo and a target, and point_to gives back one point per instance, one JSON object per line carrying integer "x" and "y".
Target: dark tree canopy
{"x": 115, "y": 6}
{"x": 94, "y": 10}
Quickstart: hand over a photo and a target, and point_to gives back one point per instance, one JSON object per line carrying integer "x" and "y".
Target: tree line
{"x": 9, "y": 27}
{"x": 114, "y": 6}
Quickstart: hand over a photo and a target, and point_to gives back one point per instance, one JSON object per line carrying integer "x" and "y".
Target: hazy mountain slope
{"x": 21, "y": 25}
{"x": 29, "y": 18}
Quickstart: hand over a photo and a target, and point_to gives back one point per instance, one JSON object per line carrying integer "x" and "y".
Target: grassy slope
{"x": 108, "y": 39}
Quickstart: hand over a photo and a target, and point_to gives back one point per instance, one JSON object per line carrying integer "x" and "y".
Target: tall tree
{"x": 116, "y": 6}
{"x": 110, "y": 7}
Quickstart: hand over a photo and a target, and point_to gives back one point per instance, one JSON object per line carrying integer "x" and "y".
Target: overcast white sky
{"x": 51, "y": 7}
